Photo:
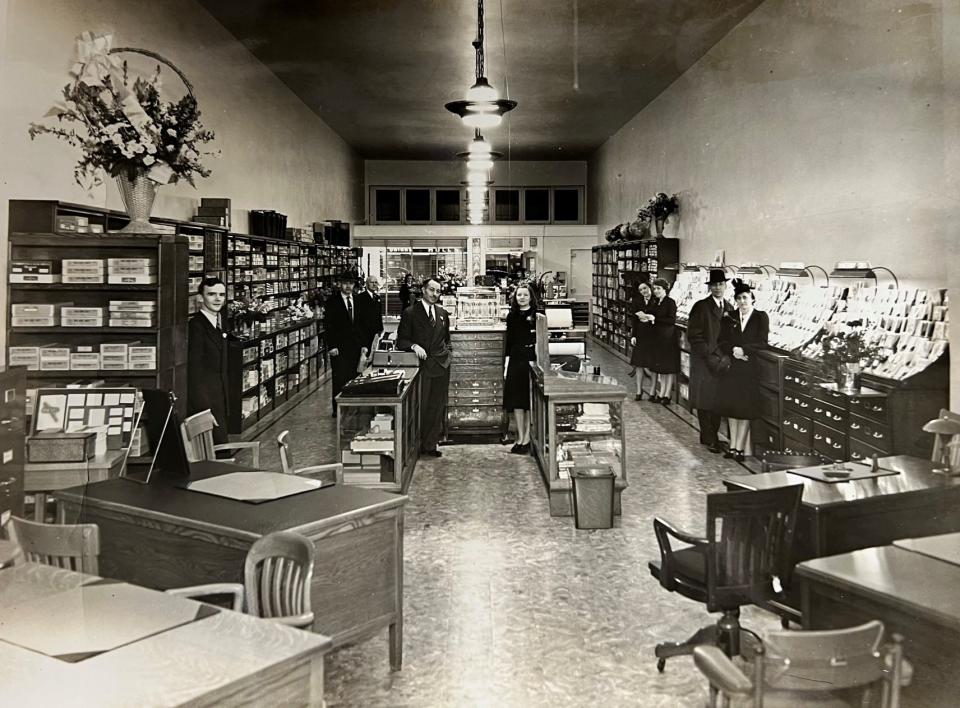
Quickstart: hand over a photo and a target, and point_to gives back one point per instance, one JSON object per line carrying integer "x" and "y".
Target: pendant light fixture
{"x": 482, "y": 107}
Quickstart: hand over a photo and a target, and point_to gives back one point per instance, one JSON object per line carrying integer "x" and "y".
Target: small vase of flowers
{"x": 844, "y": 351}
{"x": 661, "y": 207}
{"x": 246, "y": 313}
{"x": 123, "y": 127}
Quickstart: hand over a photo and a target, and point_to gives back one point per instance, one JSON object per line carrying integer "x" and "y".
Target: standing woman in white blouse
{"x": 743, "y": 333}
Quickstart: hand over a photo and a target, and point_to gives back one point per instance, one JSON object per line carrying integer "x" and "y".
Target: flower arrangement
{"x": 300, "y": 309}
{"x": 122, "y": 126}
{"x": 848, "y": 345}
{"x": 247, "y": 310}
{"x": 661, "y": 206}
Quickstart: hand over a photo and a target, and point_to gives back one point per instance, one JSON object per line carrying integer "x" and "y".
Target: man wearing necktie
{"x": 371, "y": 311}
{"x": 342, "y": 333}
{"x": 425, "y": 330}
{"x": 207, "y": 383}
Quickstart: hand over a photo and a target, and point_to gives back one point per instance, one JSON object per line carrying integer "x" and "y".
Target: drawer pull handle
{"x": 818, "y": 410}
{"x": 804, "y": 405}
{"x": 474, "y": 400}
{"x": 817, "y": 436}
{"x": 854, "y": 426}
{"x": 8, "y": 482}
{"x": 475, "y": 410}
{"x": 837, "y": 416}
{"x": 803, "y": 430}
{"x": 878, "y": 435}
{"x": 837, "y": 446}
{"x": 877, "y": 409}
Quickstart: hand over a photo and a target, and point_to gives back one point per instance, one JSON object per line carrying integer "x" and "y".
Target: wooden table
{"x": 42, "y": 478}
{"x": 911, "y": 593}
{"x": 225, "y": 658}
{"x": 165, "y": 537}
{"x": 846, "y": 516}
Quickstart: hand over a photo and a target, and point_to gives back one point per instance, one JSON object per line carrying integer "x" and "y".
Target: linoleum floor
{"x": 506, "y": 606}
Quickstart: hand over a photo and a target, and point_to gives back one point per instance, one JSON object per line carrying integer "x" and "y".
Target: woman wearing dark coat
{"x": 642, "y": 339}
{"x": 520, "y": 346}
{"x": 666, "y": 353}
{"x": 743, "y": 333}
{"x": 406, "y": 292}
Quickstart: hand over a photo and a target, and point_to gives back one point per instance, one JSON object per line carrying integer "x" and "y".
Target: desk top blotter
{"x": 850, "y": 471}
{"x": 255, "y": 487}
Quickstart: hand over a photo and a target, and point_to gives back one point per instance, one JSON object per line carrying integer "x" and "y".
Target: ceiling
{"x": 379, "y": 71}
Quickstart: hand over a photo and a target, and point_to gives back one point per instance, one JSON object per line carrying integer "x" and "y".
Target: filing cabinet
{"x": 12, "y": 436}
{"x": 475, "y": 398}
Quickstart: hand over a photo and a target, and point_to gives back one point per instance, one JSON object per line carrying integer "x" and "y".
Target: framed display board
{"x": 68, "y": 410}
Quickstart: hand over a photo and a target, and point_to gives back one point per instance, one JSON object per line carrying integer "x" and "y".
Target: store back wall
{"x": 816, "y": 132}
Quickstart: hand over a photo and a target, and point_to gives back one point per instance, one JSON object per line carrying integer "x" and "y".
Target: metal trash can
{"x": 593, "y": 496}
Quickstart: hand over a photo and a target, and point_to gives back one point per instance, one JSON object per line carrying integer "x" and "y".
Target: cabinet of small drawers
{"x": 475, "y": 399}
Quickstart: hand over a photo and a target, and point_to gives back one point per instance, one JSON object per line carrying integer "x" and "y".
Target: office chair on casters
{"x": 744, "y": 559}
{"x": 330, "y": 472}
{"x": 810, "y": 668}
{"x": 277, "y": 575}
{"x": 197, "y": 432}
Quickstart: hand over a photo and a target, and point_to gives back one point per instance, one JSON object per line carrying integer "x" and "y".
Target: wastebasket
{"x": 593, "y": 494}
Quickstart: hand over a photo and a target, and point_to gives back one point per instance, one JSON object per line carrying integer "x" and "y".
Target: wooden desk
{"x": 846, "y": 516}
{"x": 41, "y": 478}
{"x": 165, "y": 537}
{"x": 910, "y": 593}
{"x": 224, "y": 659}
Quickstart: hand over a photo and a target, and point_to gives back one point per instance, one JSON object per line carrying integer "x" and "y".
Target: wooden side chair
{"x": 332, "y": 472}
{"x": 744, "y": 559}
{"x": 773, "y": 461}
{"x": 71, "y": 546}
{"x": 811, "y": 668}
{"x": 197, "y": 433}
{"x": 277, "y": 575}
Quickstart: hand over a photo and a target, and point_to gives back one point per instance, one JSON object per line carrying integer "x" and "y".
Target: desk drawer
{"x": 828, "y": 414}
{"x": 796, "y": 401}
{"x": 799, "y": 427}
{"x": 870, "y": 407}
{"x": 870, "y": 432}
{"x": 829, "y": 442}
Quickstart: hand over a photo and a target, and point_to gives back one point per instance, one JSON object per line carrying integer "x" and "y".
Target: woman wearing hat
{"x": 742, "y": 334}
{"x": 703, "y": 333}
{"x": 665, "y": 359}
{"x": 642, "y": 339}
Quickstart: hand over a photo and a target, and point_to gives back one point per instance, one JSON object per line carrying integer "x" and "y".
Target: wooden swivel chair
{"x": 772, "y": 461}
{"x": 277, "y": 575}
{"x": 71, "y": 546}
{"x": 810, "y": 668}
{"x": 331, "y": 472}
{"x": 744, "y": 559}
{"x": 197, "y": 432}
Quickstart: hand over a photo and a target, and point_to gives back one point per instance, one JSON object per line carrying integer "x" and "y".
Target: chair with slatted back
{"x": 332, "y": 472}
{"x": 197, "y": 433}
{"x": 277, "y": 575}
{"x": 773, "y": 461}
{"x": 70, "y": 546}
{"x": 744, "y": 558}
{"x": 822, "y": 668}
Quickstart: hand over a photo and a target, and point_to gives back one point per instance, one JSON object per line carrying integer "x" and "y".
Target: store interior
{"x": 808, "y": 154}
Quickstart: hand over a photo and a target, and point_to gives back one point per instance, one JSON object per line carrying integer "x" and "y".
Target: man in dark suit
{"x": 703, "y": 331}
{"x": 372, "y": 311}
{"x": 207, "y": 383}
{"x": 343, "y": 332}
{"x": 425, "y": 329}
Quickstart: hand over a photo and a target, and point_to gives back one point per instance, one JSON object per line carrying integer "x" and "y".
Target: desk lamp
{"x": 942, "y": 428}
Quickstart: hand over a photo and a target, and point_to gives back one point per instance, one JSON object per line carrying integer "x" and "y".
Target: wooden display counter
{"x": 380, "y": 464}
{"x": 575, "y": 416}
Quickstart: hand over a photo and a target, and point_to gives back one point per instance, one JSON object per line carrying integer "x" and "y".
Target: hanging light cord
{"x": 478, "y": 42}
{"x": 506, "y": 90}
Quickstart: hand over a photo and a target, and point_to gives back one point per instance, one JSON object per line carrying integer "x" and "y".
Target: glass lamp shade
{"x": 476, "y": 220}
{"x": 476, "y": 192}
{"x": 482, "y": 91}
{"x": 479, "y": 146}
{"x": 477, "y": 178}
{"x": 473, "y": 119}
{"x": 476, "y": 163}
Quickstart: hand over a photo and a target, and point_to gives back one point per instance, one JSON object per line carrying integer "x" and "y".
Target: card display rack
{"x": 617, "y": 268}
{"x": 34, "y": 238}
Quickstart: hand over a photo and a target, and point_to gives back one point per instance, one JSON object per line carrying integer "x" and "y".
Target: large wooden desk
{"x": 41, "y": 478}
{"x": 227, "y": 659}
{"x": 165, "y": 537}
{"x": 846, "y": 516}
{"x": 911, "y": 593}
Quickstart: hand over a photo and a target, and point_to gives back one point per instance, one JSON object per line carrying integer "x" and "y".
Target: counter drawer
{"x": 764, "y": 434}
{"x": 798, "y": 427}
{"x": 870, "y": 407}
{"x": 768, "y": 369}
{"x": 476, "y": 345}
{"x": 828, "y": 414}
{"x": 795, "y": 446}
{"x": 769, "y": 404}
{"x": 476, "y": 372}
{"x": 464, "y": 397}
{"x": 476, "y": 385}
{"x": 869, "y": 432}
{"x": 829, "y": 442}
{"x": 795, "y": 401}
{"x": 861, "y": 451}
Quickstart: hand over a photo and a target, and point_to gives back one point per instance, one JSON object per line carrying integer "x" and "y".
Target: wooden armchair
{"x": 332, "y": 472}
{"x": 277, "y": 575}
{"x": 811, "y": 668}
{"x": 197, "y": 432}
{"x": 744, "y": 559}
{"x": 71, "y": 546}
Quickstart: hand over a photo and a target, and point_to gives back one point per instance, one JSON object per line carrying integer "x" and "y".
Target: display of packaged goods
{"x": 41, "y": 321}
{"x": 72, "y": 224}
{"x": 24, "y": 356}
{"x": 46, "y": 278}
{"x": 61, "y": 364}
{"x": 135, "y": 353}
{"x": 381, "y": 423}
{"x": 31, "y": 309}
{"x": 32, "y": 267}
{"x": 382, "y": 442}
{"x": 142, "y": 365}
{"x": 132, "y": 263}
{"x": 114, "y": 348}
{"x": 82, "y": 266}
{"x": 196, "y": 263}
{"x": 132, "y": 314}
{"x": 81, "y": 321}
{"x": 134, "y": 305}
{"x": 114, "y": 365}
{"x": 195, "y": 242}
{"x": 70, "y": 279}
{"x": 86, "y": 357}
{"x": 119, "y": 279}
{"x": 126, "y": 322}
{"x": 71, "y": 312}
{"x": 114, "y": 359}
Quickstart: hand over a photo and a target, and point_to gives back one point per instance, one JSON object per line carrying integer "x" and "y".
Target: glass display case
{"x": 477, "y": 308}
{"x": 576, "y": 421}
{"x": 378, "y": 437}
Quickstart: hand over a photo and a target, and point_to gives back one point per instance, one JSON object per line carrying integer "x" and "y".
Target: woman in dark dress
{"x": 666, "y": 353}
{"x": 520, "y": 347}
{"x": 743, "y": 333}
{"x": 406, "y": 292}
{"x": 642, "y": 339}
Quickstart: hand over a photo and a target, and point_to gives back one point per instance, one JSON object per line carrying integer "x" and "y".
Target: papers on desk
{"x": 81, "y": 622}
{"x": 255, "y": 487}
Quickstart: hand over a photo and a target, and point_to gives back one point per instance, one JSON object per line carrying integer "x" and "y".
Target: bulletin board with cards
{"x": 71, "y": 410}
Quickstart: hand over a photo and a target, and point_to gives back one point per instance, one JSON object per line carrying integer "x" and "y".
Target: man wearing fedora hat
{"x": 343, "y": 332}
{"x": 703, "y": 331}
